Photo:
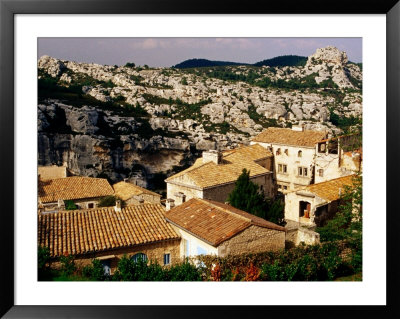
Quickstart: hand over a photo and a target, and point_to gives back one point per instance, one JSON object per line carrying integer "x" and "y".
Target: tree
{"x": 130, "y": 65}
{"x": 248, "y": 196}
{"x": 70, "y": 205}
{"x": 110, "y": 200}
{"x": 347, "y": 223}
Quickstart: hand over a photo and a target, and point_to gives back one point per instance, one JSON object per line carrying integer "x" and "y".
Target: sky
{"x": 166, "y": 52}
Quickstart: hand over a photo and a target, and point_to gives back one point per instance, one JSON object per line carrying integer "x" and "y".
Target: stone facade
{"x": 253, "y": 240}
{"x": 333, "y": 159}
{"x": 154, "y": 252}
{"x": 293, "y": 166}
{"x": 307, "y": 209}
{"x": 218, "y": 193}
{"x": 191, "y": 245}
{"x": 140, "y": 199}
{"x": 53, "y": 171}
{"x": 85, "y": 203}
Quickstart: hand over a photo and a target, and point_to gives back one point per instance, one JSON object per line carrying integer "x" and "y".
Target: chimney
{"x": 170, "y": 203}
{"x": 298, "y": 128}
{"x": 117, "y": 206}
{"x": 181, "y": 197}
{"x": 126, "y": 180}
{"x": 61, "y": 204}
{"x": 212, "y": 156}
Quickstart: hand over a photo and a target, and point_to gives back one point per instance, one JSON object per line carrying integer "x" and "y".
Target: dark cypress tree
{"x": 248, "y": 197}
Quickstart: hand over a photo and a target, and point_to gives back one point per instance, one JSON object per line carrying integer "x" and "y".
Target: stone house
{"x": 108, "y": 234}
{"x": 209, "y": 227}
{"x": 314, "y": 204}
{"x": 294, "y": 155}
{"x": 213, "y": 176}
{"x": 337, "y": 157}
{"x": 53, "y": 171}
{"x": 135, "y": 195}
{"x": 85, "y": 192}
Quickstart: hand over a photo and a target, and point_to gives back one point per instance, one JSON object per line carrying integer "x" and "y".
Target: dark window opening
{"x": 167, "y": 259}
{"x": 139, "y": 256}
{"x": 304, "y": 209}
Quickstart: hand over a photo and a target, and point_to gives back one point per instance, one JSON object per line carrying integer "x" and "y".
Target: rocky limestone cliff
{"x": 136, "y": 122}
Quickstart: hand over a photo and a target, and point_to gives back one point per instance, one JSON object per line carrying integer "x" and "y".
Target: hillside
{"x": 147, "y": 123}
{"x": 284, "y": 60}
{"x": 201, "y": 63}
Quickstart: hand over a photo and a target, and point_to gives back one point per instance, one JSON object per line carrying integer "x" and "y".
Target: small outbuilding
{"x": 209, "y": 227}
{"x": 135, "y": 195}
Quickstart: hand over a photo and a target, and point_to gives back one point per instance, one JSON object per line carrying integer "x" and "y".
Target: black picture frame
{"x": 9, "y": 8}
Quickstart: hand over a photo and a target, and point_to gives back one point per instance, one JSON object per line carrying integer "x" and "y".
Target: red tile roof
{"x": 75, "y": 187}
{"x": 100, "y": 229}
{"x": 214, "y": 222}
{"x": 286, "y": 136}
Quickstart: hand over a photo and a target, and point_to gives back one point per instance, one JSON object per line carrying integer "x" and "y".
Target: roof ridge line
{"x": 226, "y": 210}
{"x": 187, "y": 170}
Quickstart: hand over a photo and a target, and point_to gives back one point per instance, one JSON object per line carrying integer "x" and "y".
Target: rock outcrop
{"x": 159, "y": 119}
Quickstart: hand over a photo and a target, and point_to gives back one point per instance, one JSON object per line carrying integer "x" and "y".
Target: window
{"x": 285, "y": 187}
{"x": 106, "y": 266}
{"x": 286, "y": 151}
{"x": 322, "y": 147}
{"x": 167, "y": 259}
{"x": 303, "y": 171}
{"x": 282, "y": 168}
{"x": 299, "y": 154}
{"x": 139, "y": 256}
{"x": 90, "y": 205}
{"x": 321, "y": 172}
{"x": 185, "y": 247}
{"x": 278, "y": 151}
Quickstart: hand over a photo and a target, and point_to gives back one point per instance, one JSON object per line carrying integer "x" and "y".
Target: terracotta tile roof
{"x": 254, "y": 152}
{"x": 329, "y": 190}
{"x": 214, "y": 222}
{"x": 75, "y": 187}
{"x": 126, "y": 190}
{"x": 233, "y": 162}
{"x": 94, "y": 230}
{"x": 287, "y": 136}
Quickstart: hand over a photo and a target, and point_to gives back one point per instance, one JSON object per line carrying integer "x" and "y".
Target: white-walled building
{"x": 212, "y": 228}
{"x": 337, "y": 157}
{"x": 294, "y": 155}
{"x": 213, "y": 176}
{"x": 314, "y": 204}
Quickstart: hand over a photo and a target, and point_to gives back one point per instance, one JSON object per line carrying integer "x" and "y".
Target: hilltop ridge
{"x": 112, "y": 120}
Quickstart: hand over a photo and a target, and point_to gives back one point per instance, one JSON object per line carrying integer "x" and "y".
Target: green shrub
{"x": 108, "y": 201}
{"x": 70, "y": 205}
{"x": 68, "y": 266}
{"x": 95, "y": 271}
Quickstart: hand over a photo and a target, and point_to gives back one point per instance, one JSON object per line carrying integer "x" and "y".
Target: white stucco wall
{"x": 293, "y": 162}
{"x": 292, "y": 207}
{"x": 194, "y": 244}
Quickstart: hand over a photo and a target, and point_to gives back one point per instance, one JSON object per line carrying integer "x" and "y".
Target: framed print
{"x": 30, "y": 31}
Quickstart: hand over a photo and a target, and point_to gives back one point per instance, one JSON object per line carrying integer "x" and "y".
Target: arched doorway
{"x": 304, "y": 209}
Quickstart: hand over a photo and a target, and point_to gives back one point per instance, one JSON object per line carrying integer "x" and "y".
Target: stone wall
{"x": 80, "y": 203}
{"x": 172, "y": 189}
{"x": 52, "y": 172}
{"x": 191, "y": 245}
{"x": 289, "y": 156}
{"x": 253, "y": 240}
{"x": 153, "y": 251}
